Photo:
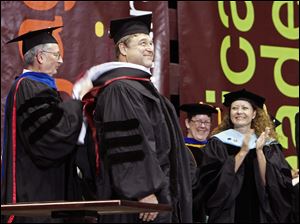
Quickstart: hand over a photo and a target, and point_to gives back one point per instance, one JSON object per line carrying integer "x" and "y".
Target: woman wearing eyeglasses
{"x": 198, "y": 123}
{"x": 244, "y": 176}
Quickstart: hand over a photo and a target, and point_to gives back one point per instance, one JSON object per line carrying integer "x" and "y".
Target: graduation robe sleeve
{"x": 129, "y": 140}
{"x": 49, "y": 127}
{"x": 279, "y": 187}
{"x": 40, "y": 133}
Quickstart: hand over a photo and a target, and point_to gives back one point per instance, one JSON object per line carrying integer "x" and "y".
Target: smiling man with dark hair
{"x": 141, "y": 145}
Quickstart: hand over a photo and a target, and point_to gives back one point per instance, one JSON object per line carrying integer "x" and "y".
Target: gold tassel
{"x": 265, "y": 109}
{"x": 219, "y": 115}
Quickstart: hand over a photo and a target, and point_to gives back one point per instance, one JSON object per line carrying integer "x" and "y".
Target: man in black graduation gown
{"x": 40, "y": 131}
{"x": 140, "y": 144}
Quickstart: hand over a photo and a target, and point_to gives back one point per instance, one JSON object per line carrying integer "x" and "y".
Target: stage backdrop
{"x": 223, "y": 46}
{"x": 83, "y": 39}
{"x": 227, "y": 46}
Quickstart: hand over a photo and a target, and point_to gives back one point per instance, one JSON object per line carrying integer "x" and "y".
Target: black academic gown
{"x": 46, "y": 134}
{"x": 241, "y": 197}
{"x": 141, "y": 147}
{"x": 196, "y": 148}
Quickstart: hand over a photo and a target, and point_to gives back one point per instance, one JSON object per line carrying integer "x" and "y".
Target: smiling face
{"x": 241, "y": 114}
{"x": 139, "y": 50}
{"x": 198, "y": 127}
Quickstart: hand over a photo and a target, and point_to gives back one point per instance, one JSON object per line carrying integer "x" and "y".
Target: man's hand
{"x": 81, "y": 87}
{"x": 152, "y": 215}
{"x": 86, "y": 86}
{"x": 295, "y": 173}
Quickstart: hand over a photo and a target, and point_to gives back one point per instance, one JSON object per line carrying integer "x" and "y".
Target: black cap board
{"x": 36, "y": 37}
{"x": 243, "y": 95}
{"x": 198, "y": 108}
{"x": 122, "y": 27}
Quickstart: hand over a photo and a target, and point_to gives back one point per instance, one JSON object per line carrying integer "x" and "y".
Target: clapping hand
{"x": 246, "y": 140}
{"x": 264, "y": 136}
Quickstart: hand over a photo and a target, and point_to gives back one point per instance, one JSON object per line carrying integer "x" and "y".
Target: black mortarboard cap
{"x": 243, "y": 95}
{"x": 198, "y": 108}
{"x": 36, "y": 37}
{"x": 275, "y": 121}
{"x": 123, "y": 27}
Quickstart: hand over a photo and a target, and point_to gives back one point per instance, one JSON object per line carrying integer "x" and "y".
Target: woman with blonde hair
{"x": 244, "y": 176}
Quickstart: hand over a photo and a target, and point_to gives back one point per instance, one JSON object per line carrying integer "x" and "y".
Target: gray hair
{"x": 30, "y": 55}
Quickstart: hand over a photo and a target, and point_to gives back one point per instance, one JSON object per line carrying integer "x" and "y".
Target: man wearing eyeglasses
{"x": 141, "y": 145}
{"x": 40, "y": 132}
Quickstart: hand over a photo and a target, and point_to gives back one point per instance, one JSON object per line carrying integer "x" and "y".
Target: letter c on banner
{"x": 238, "y": 78}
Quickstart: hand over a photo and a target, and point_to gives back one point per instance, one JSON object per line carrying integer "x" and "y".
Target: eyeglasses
{"x": 145, "y": 43}
{"x": 199, "y": 122}
{"x": 55, "y": 54}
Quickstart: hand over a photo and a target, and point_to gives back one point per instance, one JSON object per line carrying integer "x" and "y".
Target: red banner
{"x": 226, "y": 46}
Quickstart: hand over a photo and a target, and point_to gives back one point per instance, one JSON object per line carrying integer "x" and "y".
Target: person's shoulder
{"x": 120, "y": 84}
{"x": 29, "y": 81}
{"x": 119, "y": 88}
{"x": 129, "y": 85}
{"x": 214, "y": 139}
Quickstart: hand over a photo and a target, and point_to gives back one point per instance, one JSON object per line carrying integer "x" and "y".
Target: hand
{"x": 152, "y": 215}
{"x": 86, "y": 86}
{"x": 81, "y": 87}
{"x": 295, "y": 173}
{"x": 246, "y": 140}
{"x": 264, "y": 136}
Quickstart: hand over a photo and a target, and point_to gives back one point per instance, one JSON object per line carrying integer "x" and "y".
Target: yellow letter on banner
{"x": 290, "y": 31}
{"x": 289, "y": 112}
{"x": 282, "y": 54}
{"x": 243, "y": 25}
{"x": 223, "y": 16}
{"x": 238, "y": 78}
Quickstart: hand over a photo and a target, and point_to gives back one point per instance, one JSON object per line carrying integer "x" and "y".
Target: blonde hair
{"x": 259, "y": 123}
